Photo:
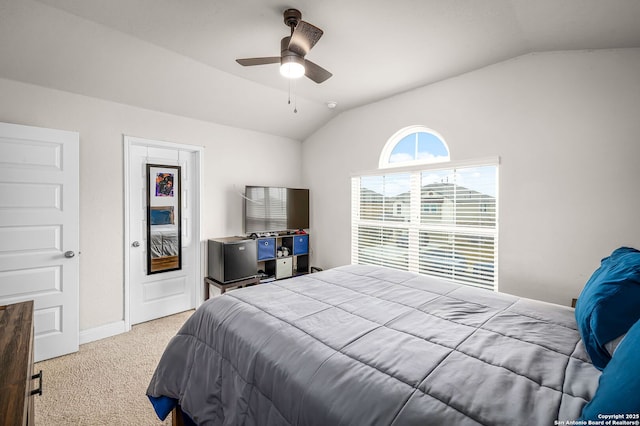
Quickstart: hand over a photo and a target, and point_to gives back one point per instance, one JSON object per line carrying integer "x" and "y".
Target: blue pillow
{"x": 619, "y": 388}
{"x": 609, "y": 304}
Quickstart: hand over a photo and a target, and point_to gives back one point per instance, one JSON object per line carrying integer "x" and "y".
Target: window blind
{"x": 440, "y": 222}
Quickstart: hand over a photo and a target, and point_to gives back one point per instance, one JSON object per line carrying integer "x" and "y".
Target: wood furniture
{"x": 176, "y": 417}
{"x": 224, "y": 286}
{"x": 16, "y": 365}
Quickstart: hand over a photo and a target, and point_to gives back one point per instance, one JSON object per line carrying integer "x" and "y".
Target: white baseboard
{"x": 102, "y": 332}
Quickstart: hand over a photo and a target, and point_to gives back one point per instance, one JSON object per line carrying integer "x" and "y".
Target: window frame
{"x": 387, "y": 150}
{"x": 414, "y": 226}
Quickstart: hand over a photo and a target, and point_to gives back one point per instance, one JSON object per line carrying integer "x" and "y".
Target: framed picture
{"x": 164, "y": 231}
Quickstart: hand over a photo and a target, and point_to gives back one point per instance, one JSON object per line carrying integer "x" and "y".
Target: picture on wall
{"x": 164, "y": 233}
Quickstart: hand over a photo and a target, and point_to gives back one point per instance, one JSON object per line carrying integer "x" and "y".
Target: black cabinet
{"x": 232, "y": 259}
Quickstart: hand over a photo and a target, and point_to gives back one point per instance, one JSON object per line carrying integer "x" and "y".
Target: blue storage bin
{"x": 300, "y": 244}
{"x": 266, "y": 248}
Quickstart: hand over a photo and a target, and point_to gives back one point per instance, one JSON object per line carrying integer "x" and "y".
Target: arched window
{"x": 414, "y": 145}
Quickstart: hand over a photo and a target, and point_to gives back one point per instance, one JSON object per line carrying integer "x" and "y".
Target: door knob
{"x": 136, "y": 244}
{"x": 69, "y": 254}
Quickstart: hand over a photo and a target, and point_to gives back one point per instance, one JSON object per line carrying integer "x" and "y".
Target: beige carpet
{"x": 105, "y": 382}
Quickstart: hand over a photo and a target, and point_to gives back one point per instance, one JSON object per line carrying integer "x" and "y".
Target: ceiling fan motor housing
{"x": 284, "y": 45}
{"x": 284, "y": 48}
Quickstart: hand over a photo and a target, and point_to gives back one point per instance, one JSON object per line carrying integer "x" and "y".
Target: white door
{"x": 39, "y": 231}
{"x": 157, "y": 295}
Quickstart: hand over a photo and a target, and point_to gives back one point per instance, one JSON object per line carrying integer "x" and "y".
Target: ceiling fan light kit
{"x": 291, "y": 69}
{"x": 291, "y": 65}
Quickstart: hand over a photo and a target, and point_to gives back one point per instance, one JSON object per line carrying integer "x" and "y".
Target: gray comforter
{"x": 363, "y": 345}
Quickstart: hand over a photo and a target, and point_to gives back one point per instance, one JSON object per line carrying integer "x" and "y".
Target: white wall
{"x": 566, "y": 128}
{"x": 232, "y": 158}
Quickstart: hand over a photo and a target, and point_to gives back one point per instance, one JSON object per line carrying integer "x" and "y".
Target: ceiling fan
{"x": 293, "y": 49}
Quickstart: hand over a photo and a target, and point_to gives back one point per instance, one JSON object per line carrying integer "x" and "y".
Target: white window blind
{"x": 440, "y": 222}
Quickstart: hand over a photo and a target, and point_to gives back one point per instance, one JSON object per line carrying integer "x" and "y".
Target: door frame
{"x": 198, "y": 289}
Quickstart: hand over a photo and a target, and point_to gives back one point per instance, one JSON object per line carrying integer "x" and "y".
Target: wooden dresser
{"x": 16, "y": 364}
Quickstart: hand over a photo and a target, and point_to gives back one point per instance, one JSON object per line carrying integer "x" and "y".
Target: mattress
{"x": 366, "y": 345}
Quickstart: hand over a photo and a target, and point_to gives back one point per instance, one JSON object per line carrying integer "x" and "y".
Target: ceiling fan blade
{"x": 304, "y": 37}
{"x": 316, "y": 72}
{"x": 247, "y": 62}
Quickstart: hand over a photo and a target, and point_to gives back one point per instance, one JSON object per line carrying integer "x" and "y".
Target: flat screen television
{"x": 271, "y": 209}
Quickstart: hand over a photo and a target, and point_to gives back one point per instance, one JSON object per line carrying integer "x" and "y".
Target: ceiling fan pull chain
{"x": 295, "y": 99}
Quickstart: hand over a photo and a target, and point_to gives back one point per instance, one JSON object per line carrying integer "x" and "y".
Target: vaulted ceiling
{"x": 179, "y": 56}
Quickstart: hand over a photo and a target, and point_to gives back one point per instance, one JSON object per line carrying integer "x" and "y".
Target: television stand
{"x": 284, "y": 255}
{"x": 225, "y": 286}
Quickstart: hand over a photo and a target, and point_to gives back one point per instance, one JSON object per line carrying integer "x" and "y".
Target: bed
{"x": 366, "y": 345}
